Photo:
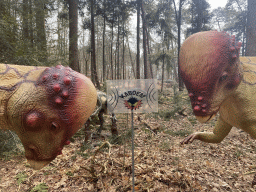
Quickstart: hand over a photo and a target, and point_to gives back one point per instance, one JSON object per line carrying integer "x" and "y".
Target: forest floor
{"x": 161, "y": 163}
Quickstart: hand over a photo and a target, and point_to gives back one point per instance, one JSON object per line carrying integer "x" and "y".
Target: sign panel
{"x": 139, "y": 95}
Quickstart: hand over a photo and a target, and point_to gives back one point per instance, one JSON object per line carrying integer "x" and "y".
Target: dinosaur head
{"x": 210, "y": 68}
{"x": 48, "y": 109}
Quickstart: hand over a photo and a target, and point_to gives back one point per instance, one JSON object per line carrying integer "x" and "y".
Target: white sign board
{"x": 139, "y": 95}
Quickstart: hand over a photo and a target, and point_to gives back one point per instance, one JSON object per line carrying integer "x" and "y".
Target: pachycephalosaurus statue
{"x": 45, "y": 107}
{"x": 218, "y": 80}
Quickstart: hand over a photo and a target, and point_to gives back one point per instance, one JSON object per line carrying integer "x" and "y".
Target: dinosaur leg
{"x": 114, "y": 125}
{"x": 100, "y": 115}
{"x": 87, "y": 131}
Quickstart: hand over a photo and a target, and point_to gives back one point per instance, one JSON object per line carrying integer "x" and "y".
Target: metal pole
{"x": 132, "y": 154}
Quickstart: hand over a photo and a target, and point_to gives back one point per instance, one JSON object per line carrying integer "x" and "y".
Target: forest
{"x": 127, "y": 39}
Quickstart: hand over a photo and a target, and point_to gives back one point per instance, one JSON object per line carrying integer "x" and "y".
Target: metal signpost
{"x": 135, "y": 96}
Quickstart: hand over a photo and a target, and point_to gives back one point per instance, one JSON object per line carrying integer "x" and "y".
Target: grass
{"x": 21, "y": 177}
{"x": 238, "y": 153}
{"x": 192, "y": 120}
{"x": 42, "y": 187}
{"x": 165, "y": 146}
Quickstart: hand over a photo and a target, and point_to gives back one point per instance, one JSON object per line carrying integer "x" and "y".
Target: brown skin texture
{"x": 45, "y": 107}
{"x": 219, "y": 81}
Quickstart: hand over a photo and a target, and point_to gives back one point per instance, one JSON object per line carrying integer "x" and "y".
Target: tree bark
{"x": 138, "y": 40}
{"x": 40, "y": 31}
{"x": 73, "y": 35}
{"x": 162, "y": 85}
{"x": 133, "y": 68}
{"x": 117, "y": 48}
{"x": 178, "y": 20}
{"x": 147, "y": 74}
{"x": 148, "y": 46}
{"x": 25, "y": 30}
{"x": 111, "y": 48}
{"x": 94, "y": 75}
{"x": 103, "y": 48}
{"x": 251, "y": 29}
{"x": 124, "y": 67}
{"x": 31, "y": 35}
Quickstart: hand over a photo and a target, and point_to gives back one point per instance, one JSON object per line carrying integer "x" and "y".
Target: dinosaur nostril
{"x": 33, "y": 151}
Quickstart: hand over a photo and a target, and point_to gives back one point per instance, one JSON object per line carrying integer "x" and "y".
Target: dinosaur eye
{"x": 223, "y": 77}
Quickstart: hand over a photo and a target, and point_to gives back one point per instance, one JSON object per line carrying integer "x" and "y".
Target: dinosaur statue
{"x": 218, "y": 80}
{"x": 45, "y": 107}
{"x": 101, "y": 108}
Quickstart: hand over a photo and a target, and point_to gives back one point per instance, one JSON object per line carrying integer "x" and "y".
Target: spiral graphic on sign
{"x": 151, "y": 93}
{"x": 113, "y": 97}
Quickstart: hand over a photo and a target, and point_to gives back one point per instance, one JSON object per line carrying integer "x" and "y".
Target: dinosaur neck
{"x": 11, "y": 77}
{"x": 3, "y": 118}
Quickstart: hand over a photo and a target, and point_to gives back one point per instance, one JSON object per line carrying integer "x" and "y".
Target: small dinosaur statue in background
{"x": 101, "y": 108}
{"x": 218, "y": 80}
{"x": 45, "y": 107}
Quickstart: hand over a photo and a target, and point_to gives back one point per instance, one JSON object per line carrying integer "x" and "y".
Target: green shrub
{"x": 9, "y": 143}
{"x": 42, "y": 187}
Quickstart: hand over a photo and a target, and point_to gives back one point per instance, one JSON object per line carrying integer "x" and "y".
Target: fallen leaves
{"x": 161, "y": 164}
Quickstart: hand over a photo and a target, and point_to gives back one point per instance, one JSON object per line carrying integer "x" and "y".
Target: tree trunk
{"x": 162, "y": 85}
{"x": 251, "y": 29}
{"x": 200, "y": 16}
{"x": 111, "y": 48}
{"x": 147, "y": 74}
{"x": 94, "y": 75}
{"x": 124, "y": 67}
{"x": 115, "y": 63}
{"x": 138, "y": 40}
{"x": 25, "y": 29}
{"x": 117, "y": 48}
{"x": 178, "y": 20}
{"x": 73, "y": 35}
{"x": 103, "y": 48}
{"x": 150, "y": 64}
{"x": 31, "y": 35}
{"x": 40, "y": 29}
{"x": 133, "y": 68}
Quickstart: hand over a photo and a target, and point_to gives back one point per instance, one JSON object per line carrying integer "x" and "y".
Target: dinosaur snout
{"x": 32, "y": 152}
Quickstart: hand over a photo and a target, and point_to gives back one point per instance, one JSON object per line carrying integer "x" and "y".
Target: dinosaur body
{"x": 45, "y": 107}
{"x": 237, "y": 110}
{"x": 219, "y": 81}
{"x": 101, "y": 108}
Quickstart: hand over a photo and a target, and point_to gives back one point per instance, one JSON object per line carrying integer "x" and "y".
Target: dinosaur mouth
{"x": 204, "y": 119}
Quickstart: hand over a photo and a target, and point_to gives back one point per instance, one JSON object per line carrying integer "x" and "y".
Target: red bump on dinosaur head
{"x": 210, "y": 69}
